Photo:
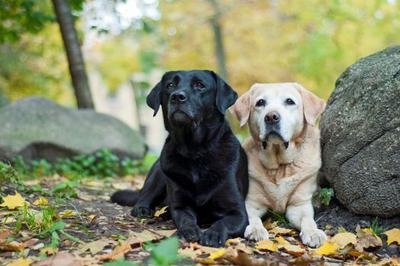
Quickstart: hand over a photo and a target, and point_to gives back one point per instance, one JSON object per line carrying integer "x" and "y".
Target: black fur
{"x": 202, "y": 170}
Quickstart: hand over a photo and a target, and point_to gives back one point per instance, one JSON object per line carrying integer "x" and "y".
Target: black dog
{"x": 202, "y": 171}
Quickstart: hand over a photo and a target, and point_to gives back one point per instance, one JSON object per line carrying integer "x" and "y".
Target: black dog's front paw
{"x": 190, "y": 234}
{"x": 142, "y": 212}
{"x": 214, "y": 238}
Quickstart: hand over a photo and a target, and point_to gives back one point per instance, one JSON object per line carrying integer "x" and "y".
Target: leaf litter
{"x": 106, "y": 233}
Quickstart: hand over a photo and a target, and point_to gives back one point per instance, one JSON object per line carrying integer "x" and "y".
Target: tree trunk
{"x": 218, "y": 40}
{"x": 74, "y": 54}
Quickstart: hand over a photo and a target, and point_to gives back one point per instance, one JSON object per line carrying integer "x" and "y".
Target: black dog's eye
{"x": 289, "y": 101}
{"x": 170, "y": 85}
{"x": 260, "y": 102}
{"x": 198, "y": 84}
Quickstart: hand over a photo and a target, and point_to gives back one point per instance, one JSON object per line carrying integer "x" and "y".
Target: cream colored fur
{"x": 282, "y": 179}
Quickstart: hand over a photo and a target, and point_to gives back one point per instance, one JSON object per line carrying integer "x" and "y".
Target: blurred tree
{"x": 76, "y": 63}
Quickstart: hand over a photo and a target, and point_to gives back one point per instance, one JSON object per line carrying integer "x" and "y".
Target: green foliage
{"x": 8, "y": 173}
{"x": 279, "y": 217}
{"x": 376, "y": 227}
{"x": 103, "y": 163}
{"x": 35, "y": 221}
{"x": 65, "y": 189}
{"x": 323, "y": 196}
{"x": 164, "y": 253}
{"x": 121, "y": 263}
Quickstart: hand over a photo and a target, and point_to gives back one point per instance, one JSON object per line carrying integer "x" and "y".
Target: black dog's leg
{"x": 152, "y": 194}
{"x": 183, "y": 215}
{"x": 232, "y": 225}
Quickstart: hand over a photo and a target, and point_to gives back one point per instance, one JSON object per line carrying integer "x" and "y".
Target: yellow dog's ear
{"x": 313, "y": 106}
{"x": 241, "y": 109}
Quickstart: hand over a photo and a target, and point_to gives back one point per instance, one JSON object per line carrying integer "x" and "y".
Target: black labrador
{"x": 202, "y": 170}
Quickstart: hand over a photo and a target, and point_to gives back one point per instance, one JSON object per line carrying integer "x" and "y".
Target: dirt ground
{"x": 93, "y": 217}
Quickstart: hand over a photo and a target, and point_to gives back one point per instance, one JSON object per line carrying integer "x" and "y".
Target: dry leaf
{"x": 13, "y": 201}
{"x": 343, "y": 239}
{"x": 11, "y": 246}
{"x": 68, "y": 213}
{"x": 161, "y": 211}
{"x": 367, "y": 239}
{"x": 292, "y": 249}
{"x": 328, "y": 248}
{"x": 21, "y": 262}
{"x": 267, "y": 245}
{"x": 118, "y": 252}
{"x": 393, "y": 235}
{"x": 41, "y": 202}
{"x": 217, "y": 254}
{"x": 61, "y": 259}
{"x": 4, "y": 234}
{"x": 281, "y": 241}
{"x": 190, "y": 252}
{"x": 96, "y": 246}
{"x": 49, "y": 250}
{"x": 281, "y": 231}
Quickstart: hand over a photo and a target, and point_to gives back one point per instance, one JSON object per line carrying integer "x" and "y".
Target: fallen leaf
{"x": 21, "y": 262}
{"x": 61, "y": 259}
{"x": 343, "y": 239}
{"x": 161, "y": 211}
{"x": 68, "y": 213}
{"x": 217, "y": 254}
{"x": 13, "y": 201}
{"x": 41, "y": 202}
{"x": 189, "y": 252}
{"x": 267, "y": 245}
{"x": 328, "y": 248}
{"x": 96, "y": 246}
{"x": 281, "y": 241}
{"x": 4, "y": 234}
{"x": 281, "y": 231}
{"x": 11, "y": 246}
{"x": 118, "y": 252}
{"x": 367, "y": 239}
{"x": 49, "y": 250}
{"x": 293, "y": 249}
{"x": 393, "y": 235}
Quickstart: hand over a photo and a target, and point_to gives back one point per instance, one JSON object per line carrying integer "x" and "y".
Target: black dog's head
{"x": 188, "y": 98}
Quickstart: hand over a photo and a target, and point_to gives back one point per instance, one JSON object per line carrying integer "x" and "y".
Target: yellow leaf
{"x": 343, "y": 239}
{"x": 217, "y": 254}
{"x": 189, "y": 252}
{"x": 161, "y": 211}
{"x": 49, "y": 250}
{"x": 95, "y": 246}
{"x": 267, "y": 245}
{"x": 293, "y": 249}
{"x": 117, "y": 253}
{"x": 328, "y": 248}
{"x": 281, "y": 241}
{"x": 393, "y": 235}
{"x": 68, "y": 213}
{"x": 21, "y": 262}
{"x": 280, "y": 231}
{"x": 13, "y": 201}
{"x": 41, "y": 202}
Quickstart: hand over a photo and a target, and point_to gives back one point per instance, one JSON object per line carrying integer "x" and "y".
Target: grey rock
{"x": 36, "y": 128}
{"x": 360, "y": 135}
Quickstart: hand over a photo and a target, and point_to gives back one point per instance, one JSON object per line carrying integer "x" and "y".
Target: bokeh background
{"x": 127, "y": 45}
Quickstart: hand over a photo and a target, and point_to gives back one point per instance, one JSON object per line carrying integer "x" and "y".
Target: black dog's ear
{"x": 153, "y": 100}
{"x": 226, "y": 96}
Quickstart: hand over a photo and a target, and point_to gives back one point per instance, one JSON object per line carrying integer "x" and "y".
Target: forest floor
{"x": 54, "y": 221}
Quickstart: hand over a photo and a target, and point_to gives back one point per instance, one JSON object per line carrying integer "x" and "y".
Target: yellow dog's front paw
{"x": 256, "y": 232}
{"x": 313, "y": 237}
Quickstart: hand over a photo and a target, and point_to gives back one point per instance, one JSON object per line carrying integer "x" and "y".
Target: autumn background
{"x": 246, "y": 41}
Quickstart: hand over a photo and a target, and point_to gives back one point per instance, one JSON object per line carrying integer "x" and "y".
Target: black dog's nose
{"x": 272, "y": 118}
{"x": 178, "y": 97}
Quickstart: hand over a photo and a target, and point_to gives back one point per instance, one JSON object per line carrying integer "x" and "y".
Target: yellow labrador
{"x": 284, "y": 156}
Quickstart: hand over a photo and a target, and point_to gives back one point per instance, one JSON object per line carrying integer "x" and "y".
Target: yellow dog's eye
{"x": 260, "y": 102}
{"x": 289, "y": 101}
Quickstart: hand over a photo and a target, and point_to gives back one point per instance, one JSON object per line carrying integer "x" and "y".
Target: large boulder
{"x": 36, "y": 128}
{"x": 360, "y": 135}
